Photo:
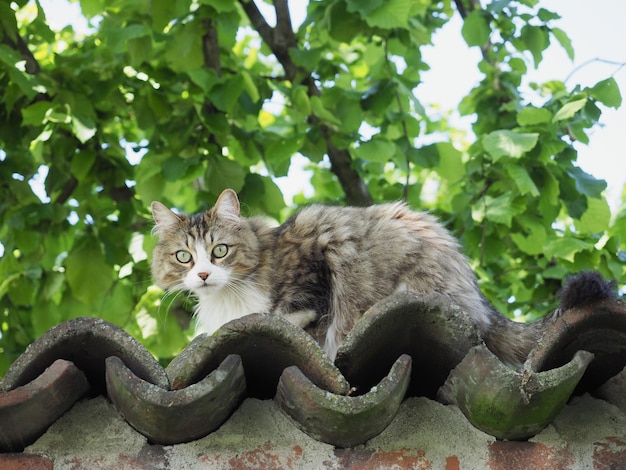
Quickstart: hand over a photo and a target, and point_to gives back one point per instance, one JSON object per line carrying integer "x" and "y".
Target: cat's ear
{"x": 163, "y": 217}
{"x": 227, "y": 205}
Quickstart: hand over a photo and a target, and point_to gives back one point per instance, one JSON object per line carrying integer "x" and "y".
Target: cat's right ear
{"x": 163, "y": 217}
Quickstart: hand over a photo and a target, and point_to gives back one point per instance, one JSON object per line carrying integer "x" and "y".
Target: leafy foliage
{"x": 176, "y": 101}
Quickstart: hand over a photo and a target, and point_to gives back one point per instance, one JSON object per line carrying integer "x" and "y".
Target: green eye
{"x": 219, "y": 251}
{"x": 183, "y": 256}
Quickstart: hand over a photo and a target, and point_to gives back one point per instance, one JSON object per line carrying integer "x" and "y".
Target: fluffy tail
{"x": 512, "y": 341}
{"x": 585, "y": 288}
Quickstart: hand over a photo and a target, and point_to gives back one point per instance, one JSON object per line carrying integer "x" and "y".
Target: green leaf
{"x": 375, "y": 150}
{"x": 569, "y": 109}
{"x": 476, "y": 29}
{"x": 301, "y": 100}
{"x": 88, "y": 274}
{"x": 91, "y": 8}
{"x": 532, "y": 243}
{"x": 536, "y": 40}
{"x": 596, "y": 218}
{"x": 390, "y": 14}
{"x": 531, "y": 116}
{"x": 426, "y": 156}
{"x": 321, "y": 112}
{"x": 585, "y": 183}
{"x": 5, "y": 285}
{"x": 343, "y": 26}
{"x": 225, "y": 95}
{"x": 607, "y": 92}
{"x": 220, "y": 6}
{"x": 204, "y": 78}
{"x": 82, "y": 163}
{"x": 52, "y": 286}
{"x": 261, "y": 195}
{"x": 174, "y": 168}
{"x": 450, "y": 165}
{"x": 22, "y": 291}
{"x": 249, "y": 86}
{"x": 547, "y": 15}
{"x": 522, "y": 179}
{"x": 35, "y": 114}
{"x": 164, "y": 12}
{"x": 83, "y": 128}
{"x": 184, "y": 52}
{"x": 306, "y": 58}
{"x": 278, "y": 154}
{"x": 223, "y": 173}
{"x": 363, "y": 8}
{"x": 118, "y": 306}
{"x": 500, "y": 209}
{"x": 566, "y": 248}
{"x": 139, "y": 50}
{"x": 119, "y": 38}
{"x": 150, "y": 187}
{"x": 9, "y": 56}
{"x": 505, "y": 143}
{"x": 564, "y": 40}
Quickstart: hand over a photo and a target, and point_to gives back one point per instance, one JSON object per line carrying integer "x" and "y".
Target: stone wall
{"x": 589, "y": 433}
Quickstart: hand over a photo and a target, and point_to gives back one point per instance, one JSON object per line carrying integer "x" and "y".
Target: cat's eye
{"x": 219, "y": 251}
{"x": 183, "y": 256}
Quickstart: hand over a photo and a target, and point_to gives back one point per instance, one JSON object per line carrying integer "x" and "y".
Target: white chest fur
{"x": 214, "y": 310}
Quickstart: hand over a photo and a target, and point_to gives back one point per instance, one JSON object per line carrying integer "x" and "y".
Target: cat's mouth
{"x": 207, "y": 286}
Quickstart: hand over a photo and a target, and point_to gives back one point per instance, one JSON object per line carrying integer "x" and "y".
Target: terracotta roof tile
{"x": 405, "y": 345}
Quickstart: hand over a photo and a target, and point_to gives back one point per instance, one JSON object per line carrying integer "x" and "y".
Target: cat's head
{"x": 203, "y": 253}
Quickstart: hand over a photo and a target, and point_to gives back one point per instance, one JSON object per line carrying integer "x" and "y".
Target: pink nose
{"x": 203, "y": 276}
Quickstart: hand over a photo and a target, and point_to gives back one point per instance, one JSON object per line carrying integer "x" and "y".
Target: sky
{"x": 596, "y": 30}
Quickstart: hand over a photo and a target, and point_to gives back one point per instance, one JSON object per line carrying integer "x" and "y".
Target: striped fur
{"x": 322, "y": 268}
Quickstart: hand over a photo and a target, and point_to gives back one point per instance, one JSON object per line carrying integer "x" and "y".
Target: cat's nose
{"x": 204, "y": 276}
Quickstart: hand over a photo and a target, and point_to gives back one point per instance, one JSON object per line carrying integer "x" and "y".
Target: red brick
{"x": 24, "y": 462}
{"x": 365, "y": 459}
{"x": 609, "y": 454}
{"x": 260, "y": 458}
{"x": 452, "y": 463}
{"x": 509, "y": 455}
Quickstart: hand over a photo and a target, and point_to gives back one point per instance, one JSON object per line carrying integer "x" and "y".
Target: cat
{"x": 325, "y": 266}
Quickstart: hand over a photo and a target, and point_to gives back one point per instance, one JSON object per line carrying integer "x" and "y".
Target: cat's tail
{"x": 585, "y": 288}
{"x": 512, "y": 341}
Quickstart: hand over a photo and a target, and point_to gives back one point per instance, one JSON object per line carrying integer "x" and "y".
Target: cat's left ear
{"x": 227, "y": 205}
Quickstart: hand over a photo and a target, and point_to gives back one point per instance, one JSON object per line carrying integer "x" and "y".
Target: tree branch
{"x": 353, "y": 186}
{"x": 464, "y": 12}
{"x": 18, "y": 44}
{"x": 461, "y": 7}
{"x": 210, "y": 47}
{"x": 280, "y": 39}
{"x": 620, "y": 65}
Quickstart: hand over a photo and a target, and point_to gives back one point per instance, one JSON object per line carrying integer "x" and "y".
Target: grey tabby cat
{"x": 321, "y": 269}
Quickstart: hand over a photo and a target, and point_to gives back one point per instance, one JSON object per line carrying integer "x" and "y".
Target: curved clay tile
{"x": 508, "y": 403}
{"x": 431, "y": 329}
{"x": 86, "y": 342}
{"x": 599, "y": 328}
{"x": 171, "y": 417}
{"x": 267, "y": 345}
{"x": 437, "y": 335}
{"x": 27, "y": 411}
{"x": 343, "y": 421}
